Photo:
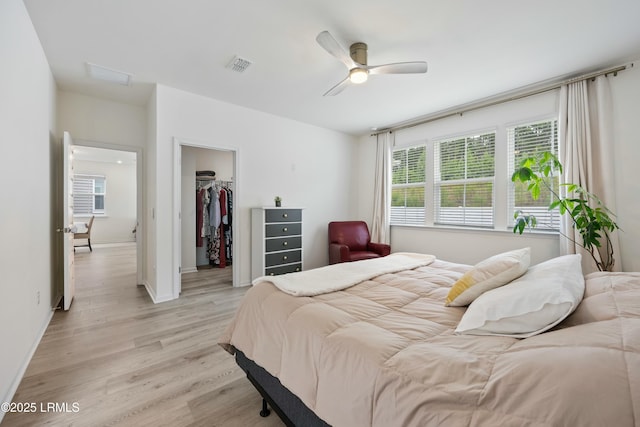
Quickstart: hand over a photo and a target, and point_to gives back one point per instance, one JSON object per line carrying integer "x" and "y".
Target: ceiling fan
{"x": 356, "y": 62}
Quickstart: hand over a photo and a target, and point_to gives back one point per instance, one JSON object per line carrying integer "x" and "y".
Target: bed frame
{"x": 286, "y": 404}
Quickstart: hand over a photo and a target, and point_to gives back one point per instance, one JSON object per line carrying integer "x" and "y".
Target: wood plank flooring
{"x": 117, "y": 359}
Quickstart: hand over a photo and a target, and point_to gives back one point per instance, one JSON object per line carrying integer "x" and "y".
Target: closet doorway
{"x": 206, "y": 198}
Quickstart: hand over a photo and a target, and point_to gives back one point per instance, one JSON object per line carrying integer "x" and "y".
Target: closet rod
{"x": 524, "y": 92}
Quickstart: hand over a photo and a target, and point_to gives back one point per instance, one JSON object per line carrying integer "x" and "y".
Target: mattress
{"x": 384, "y": 353}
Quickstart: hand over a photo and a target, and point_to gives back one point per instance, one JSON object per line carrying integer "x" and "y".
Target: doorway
{"x": 202, "y": 245}
{"x": 117, "y": 211}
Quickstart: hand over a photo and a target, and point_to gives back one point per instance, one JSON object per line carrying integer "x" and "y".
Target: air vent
{"x": 239, "y": 65}
{"x": 109, "y": 75}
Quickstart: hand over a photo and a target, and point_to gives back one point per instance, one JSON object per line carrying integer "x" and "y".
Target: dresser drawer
{"x": 283, "y": 215}
{"x": 284, "y": 229}
{"x": 291, "y": 268}
{"x": 278, "y": 258}
{"x": 283, "y": 243}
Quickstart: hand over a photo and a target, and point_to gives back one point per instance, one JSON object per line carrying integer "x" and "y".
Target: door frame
{"x": 140, "y": 225}
{"x": 178, "y": 143}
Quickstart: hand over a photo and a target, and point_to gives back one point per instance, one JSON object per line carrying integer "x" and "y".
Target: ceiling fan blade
{"x": 399, "y": 68}
{"x": 326, "y": 40}
{"x": 338, "y": 88}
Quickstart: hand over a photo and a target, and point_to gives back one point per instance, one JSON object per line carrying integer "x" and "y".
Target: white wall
{"x": 472, "y": 246}
{"x": 120, "y": 201}
{"x": 149, "y": 218}
{"x": 625, "y": 92}
{"x": 27, "y": 120}
{"x": 307, "y": 166}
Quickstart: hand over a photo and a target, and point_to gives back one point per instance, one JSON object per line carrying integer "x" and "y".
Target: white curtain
{"x": 586, "y": 142}
{"x": 380, "y": 226}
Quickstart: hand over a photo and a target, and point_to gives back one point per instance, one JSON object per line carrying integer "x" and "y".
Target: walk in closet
{"x": 206, "y": 209}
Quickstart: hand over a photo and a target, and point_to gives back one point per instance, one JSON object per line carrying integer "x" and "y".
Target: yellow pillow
{"x": 491, "y": 273}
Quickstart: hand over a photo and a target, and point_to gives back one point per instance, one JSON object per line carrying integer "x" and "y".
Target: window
{"x": 527, "y": 141}
{"x": 408, "y": 186}
{"x": 464, "y": 180}
{"x": 89, "y": 194}
{"x": 456, "y": 172}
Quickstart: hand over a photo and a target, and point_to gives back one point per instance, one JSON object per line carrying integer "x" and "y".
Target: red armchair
{"x": 350, "y": 241}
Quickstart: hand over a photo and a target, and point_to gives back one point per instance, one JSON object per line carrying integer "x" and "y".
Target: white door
{"x": 67, "y": 220}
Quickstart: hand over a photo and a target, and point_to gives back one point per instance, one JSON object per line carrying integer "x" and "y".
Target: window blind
{"x": 408, "y": 186}
{"x": 88, "y": 194}
{"x": 524, "y": 141}
{"x": 464, "y": 180}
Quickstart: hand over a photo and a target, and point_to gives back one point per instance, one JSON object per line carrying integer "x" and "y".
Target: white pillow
{"x": 539, "y": 300}
{"x": 491, "y": 273}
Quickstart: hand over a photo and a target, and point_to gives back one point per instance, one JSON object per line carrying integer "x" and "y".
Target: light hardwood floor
{"x": 128, "y": 362}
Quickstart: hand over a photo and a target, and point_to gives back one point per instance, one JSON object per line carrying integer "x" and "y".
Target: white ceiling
{"x": 93, "y": 154}
{"x": 474, "y": 49}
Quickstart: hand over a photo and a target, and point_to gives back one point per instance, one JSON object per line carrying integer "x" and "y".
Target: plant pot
{"x": 278, "y": 203}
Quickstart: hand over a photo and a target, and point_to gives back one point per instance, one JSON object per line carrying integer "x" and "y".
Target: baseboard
{"x": 18, "y": 378}
{"x": 111, "y": 241}
{"x": 112, "y": 244}
{"x": 155, "y": 298}
{"x": 189, "y": 270}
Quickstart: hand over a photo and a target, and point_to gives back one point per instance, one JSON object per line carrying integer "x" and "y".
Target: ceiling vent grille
{"x": 109, "y": 75}
{"x": 239, "y": 65}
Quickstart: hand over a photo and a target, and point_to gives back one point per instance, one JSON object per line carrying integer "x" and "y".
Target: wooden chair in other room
{"x": 84, "y": 235}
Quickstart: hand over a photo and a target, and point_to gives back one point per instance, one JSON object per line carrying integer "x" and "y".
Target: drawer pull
{"x": 271, "y": 274}
{"x": 284, "y": 243}
{"x": 297, "y": 268}
{"x": 284, "y": 258}
{"x": 285, "y": 229}
{"x": 284, "y": 215}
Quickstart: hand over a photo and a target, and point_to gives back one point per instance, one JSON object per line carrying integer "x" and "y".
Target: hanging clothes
{"x": 223, "y": 213}
{"x": 228, "y": 233}
{"x": 214, "y": 218}
{"x": 199, "y": 216}
{"x": 205, "y": 231}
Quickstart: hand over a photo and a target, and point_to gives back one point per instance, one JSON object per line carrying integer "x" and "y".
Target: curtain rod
{"x": 516, "y": 94}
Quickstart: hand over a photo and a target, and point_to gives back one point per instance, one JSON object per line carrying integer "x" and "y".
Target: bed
{"x": 385, "y": 352}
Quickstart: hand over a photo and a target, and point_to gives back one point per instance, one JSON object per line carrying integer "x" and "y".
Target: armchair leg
{"x": 90, "y": 249}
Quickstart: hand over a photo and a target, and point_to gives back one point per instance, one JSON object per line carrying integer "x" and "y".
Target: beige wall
{"x": 101, "y": 120}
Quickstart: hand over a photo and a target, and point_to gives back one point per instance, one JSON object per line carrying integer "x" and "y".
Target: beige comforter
{"x": 383, "y": 353}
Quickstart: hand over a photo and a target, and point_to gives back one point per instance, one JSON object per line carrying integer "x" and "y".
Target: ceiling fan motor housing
{"x": 358, "y": 52}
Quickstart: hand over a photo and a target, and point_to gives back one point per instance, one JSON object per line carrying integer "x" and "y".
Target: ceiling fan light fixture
{"x": 358, "y": 75}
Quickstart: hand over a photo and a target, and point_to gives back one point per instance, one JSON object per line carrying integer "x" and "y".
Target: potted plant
{"x": 589, "y": 216}
{"x": 278, "y": 201}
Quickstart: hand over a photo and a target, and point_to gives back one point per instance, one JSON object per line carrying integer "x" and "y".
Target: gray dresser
{"x": 276, "y": 241}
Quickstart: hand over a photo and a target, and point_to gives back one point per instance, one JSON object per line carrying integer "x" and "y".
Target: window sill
{"x": 542, "y": 234}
